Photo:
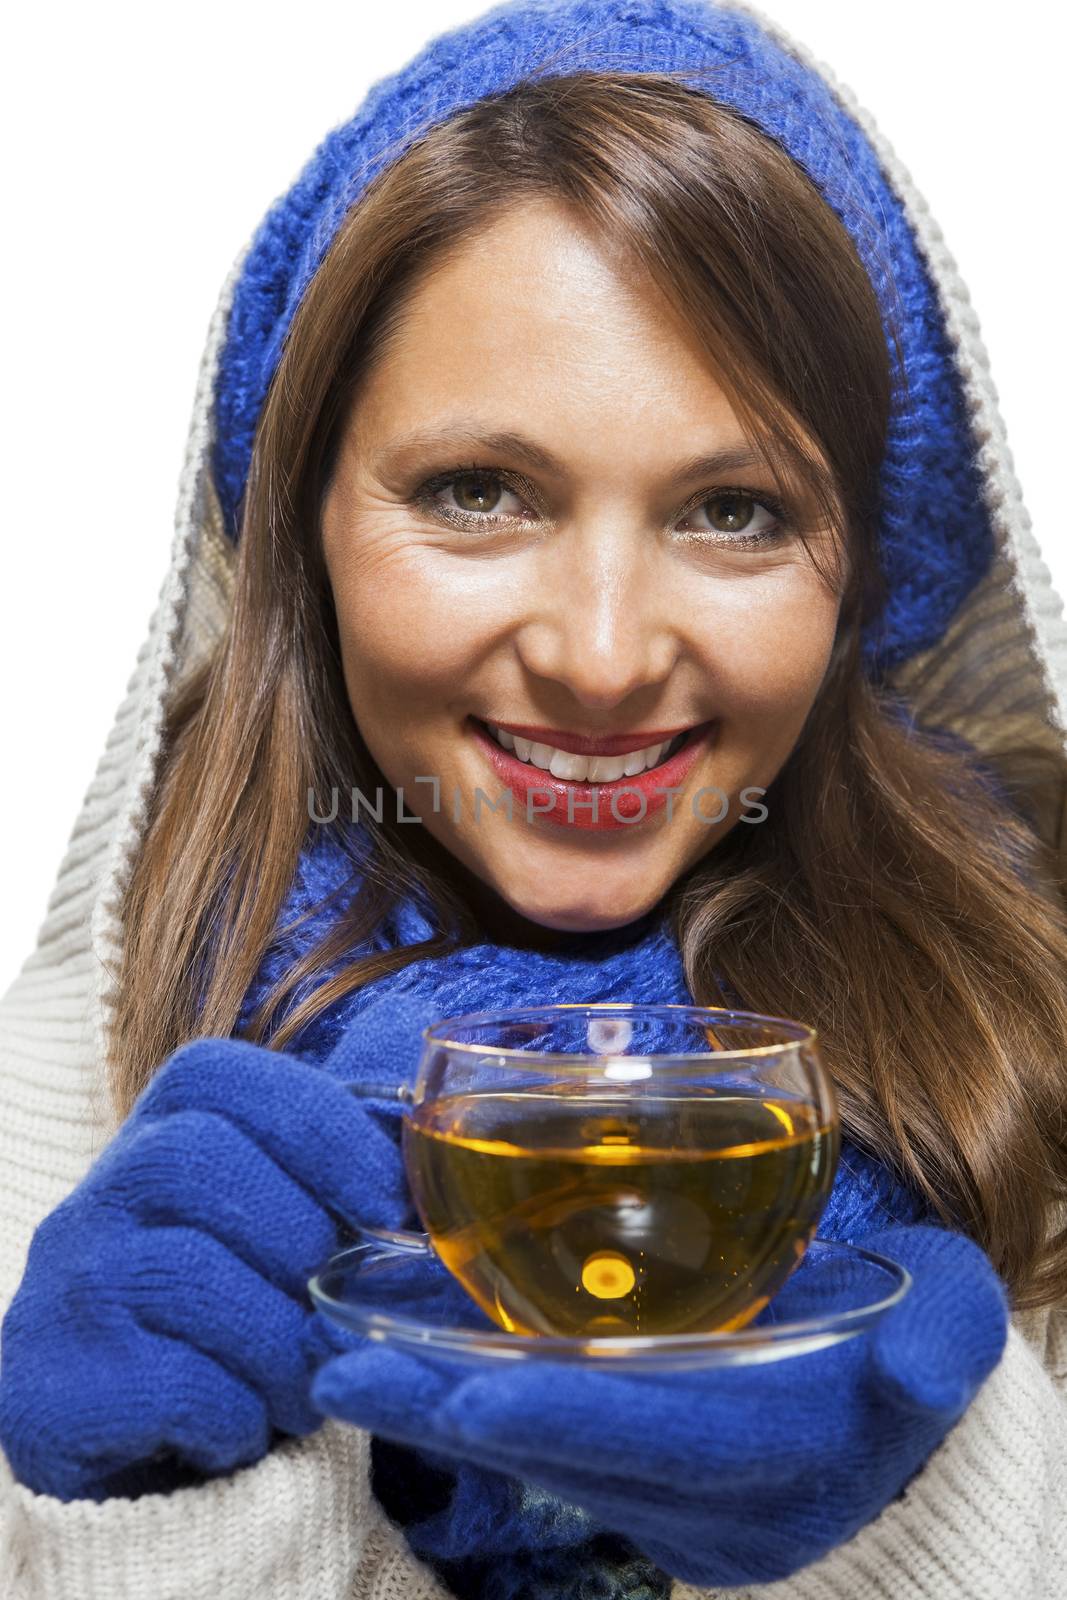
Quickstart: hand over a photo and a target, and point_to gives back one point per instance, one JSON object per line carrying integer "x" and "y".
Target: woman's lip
{"x": 573, "y": 802}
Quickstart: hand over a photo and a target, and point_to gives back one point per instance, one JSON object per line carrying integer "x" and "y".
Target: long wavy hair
{"x": 892, "y": 898}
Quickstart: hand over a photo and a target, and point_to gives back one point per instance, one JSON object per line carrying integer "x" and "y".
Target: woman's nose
{"x": 600, "y": 620}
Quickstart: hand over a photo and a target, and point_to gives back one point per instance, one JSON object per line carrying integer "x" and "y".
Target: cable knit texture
{"x": 987, "y": 1514}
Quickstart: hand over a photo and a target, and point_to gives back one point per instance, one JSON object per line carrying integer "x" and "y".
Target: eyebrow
{"x": 734, "y": 459}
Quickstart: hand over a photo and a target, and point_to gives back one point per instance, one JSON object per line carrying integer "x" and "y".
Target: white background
{"x": 144, "y": 143}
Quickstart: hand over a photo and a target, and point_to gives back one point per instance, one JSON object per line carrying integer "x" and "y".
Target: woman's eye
{"x": 480, "y": 495}
{"x": 737, "y": 516}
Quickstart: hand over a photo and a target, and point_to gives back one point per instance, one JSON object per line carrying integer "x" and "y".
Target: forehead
{"x": 539, "y": 325}
{"x": 532, "y": 309}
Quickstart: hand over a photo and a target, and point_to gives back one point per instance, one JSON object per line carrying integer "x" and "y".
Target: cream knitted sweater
{"x": 985, "y": 1519}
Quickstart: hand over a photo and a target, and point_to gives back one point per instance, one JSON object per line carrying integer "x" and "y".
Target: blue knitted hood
{"x": 937, "y": 524}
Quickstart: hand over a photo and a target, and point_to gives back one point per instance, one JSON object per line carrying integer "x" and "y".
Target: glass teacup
{"x": 618, "y": 1168}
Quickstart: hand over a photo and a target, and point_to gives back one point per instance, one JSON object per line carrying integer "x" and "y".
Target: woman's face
{"x": 524, "y": 531}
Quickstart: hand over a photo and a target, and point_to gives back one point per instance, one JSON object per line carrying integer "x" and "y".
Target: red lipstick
{"x": 618, "y": 803}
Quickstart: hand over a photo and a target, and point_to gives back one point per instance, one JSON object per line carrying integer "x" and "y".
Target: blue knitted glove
{"x": 162, "y": 1313}
{"x": 740, "y": 1475}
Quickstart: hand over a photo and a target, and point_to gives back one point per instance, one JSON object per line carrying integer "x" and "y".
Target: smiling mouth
{"x": 567, "y": 766}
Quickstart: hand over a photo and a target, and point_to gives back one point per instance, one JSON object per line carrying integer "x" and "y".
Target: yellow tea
{"x": 594, "y": 1213}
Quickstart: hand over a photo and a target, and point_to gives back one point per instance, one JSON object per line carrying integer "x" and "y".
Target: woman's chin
{"x": 570, "y": 917}
{"x": 508, "y": 889}
{"x": 583, "y": 921}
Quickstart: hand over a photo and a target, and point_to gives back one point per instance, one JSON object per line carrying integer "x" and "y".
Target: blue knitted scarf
{"x": 490, "y": 1537}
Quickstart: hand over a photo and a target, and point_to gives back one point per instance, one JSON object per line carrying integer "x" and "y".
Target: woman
{"x": 603, "y": 379}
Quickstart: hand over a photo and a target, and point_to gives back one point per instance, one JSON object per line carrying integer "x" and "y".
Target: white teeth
{"x": 584, "y": 769}
{"x": 565, "y": 764}
{"x": 606, "y": 769}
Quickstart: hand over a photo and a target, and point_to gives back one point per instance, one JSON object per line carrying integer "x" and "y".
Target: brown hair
{"x": 892, "y": 901}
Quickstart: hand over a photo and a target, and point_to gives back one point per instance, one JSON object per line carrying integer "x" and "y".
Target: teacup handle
{"x": 381, "y": 1091}
{"x": 396, "y": 1238}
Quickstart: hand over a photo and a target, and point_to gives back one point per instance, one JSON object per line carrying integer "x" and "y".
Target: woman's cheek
{"x": 420, "y": 630}
{"x": 393, "y": 614}
{"x": 772, "y": 645}
{"x": 767, "y": 673}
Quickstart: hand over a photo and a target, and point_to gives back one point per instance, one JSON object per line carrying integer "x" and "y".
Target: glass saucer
{"x": 395, "y": 1289}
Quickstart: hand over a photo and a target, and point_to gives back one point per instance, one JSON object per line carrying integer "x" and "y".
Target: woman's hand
{"x": 740, "y": 1475}
{"x": 164, "y": 1305}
